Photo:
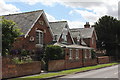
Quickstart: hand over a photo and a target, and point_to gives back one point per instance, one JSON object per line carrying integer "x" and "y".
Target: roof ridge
{"x": 22, "y": 13}
{"x": 57, "y": 21}
{"x": 81, "y": 28}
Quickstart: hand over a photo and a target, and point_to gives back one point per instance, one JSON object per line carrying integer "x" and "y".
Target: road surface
{"x": 108, "y": 73}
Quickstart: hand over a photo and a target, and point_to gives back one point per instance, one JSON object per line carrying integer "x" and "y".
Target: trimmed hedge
{"x": 53, "y": 52}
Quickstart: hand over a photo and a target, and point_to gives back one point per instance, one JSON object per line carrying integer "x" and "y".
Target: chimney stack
{"x": 87, "y": 25}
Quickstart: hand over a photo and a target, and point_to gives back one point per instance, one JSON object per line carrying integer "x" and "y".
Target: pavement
{"x": 107, "y": 73}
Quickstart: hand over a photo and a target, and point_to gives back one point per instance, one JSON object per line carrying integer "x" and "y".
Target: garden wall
{"x": 55, "y": 65}
{"x": 103, "y": 59}
{"x": 10, "y": 69}
{"x": 73, "y": 64}
{"x": 90, "y": 62}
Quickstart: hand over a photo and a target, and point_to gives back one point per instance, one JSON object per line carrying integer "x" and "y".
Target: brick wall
{"x": 56, "y": 65}
{"x": 89, "y": 62}
{"x": 73, "y": 64}
{"x": 10, "y": 69}
{"x": 103, "y": 59}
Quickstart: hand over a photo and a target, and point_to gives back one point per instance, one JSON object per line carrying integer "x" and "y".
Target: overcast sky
{"x": 76, "y": 12}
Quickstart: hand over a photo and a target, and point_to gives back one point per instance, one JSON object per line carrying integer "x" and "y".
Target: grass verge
{"x": 65, "y": 72}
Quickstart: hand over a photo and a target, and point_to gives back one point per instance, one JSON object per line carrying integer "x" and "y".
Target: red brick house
{"x": 85, "y": 36}
{"x": 35, "y": 28}
{"x": 37, "y": 32}
{"x": 74, "y": 54}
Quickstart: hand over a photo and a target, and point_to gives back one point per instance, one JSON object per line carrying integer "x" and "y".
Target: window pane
{"x": 85, "y": 53}
{"x": 77, "y": 54}
{"x": 55, "y": 37}
{"x": 90, "y": 54}
{"x": 70, "y": 54}
{"x": 37, "y": 37}
{"x": 41, "y": 38}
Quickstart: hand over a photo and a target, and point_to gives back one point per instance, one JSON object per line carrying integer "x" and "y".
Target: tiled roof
{"x": 24, "y": 20}
{"x": 83, "y": 32}
{"x": 57, "y": 27}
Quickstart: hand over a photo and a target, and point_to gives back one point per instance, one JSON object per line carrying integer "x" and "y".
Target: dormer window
{"x": 64, "y": 34}
{"x": 78, "y": 40}
{"x": 39, "y": 37}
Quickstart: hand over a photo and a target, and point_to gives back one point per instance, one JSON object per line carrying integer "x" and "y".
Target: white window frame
{"x": 77, "y": 53}
{"x": 40, "y": 40}
{"x": 85, "y": 54}
{"x": 70, "y": 53}
{"x": 78, "y": 40}
{"x": 90, "y": 54}
{"x": 92, "y": 40}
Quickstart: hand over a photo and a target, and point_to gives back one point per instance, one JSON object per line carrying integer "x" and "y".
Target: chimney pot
{"x": 87, "y": 25}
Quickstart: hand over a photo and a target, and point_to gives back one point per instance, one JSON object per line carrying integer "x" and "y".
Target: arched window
{"x": 39, "y": 37}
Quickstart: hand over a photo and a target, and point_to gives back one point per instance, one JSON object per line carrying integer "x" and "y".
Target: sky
{"x": 75, "y": 12}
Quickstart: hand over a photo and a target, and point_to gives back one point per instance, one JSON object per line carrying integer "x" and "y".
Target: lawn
{"x": 65, "y": 72}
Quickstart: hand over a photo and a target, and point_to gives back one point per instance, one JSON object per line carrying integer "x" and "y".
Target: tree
{"x": 108, "y": 32}
{"x": 9, "y": 32}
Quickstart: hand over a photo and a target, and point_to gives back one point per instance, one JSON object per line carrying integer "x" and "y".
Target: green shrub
{"x": 53, "y": 52}
{"x": 17, "y": 60}
{"x": 23, "y": 59}
{"x": 24, "y": 52}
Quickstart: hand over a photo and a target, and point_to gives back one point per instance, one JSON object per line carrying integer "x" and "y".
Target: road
{"x": 108, "y": 73}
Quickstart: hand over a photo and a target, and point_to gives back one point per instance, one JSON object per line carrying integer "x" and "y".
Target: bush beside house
{"x": 52, "y": 52}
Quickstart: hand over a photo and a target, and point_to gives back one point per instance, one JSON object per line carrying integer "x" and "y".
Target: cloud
{"x": 88, "y": 16}
{"x": 50, "y": 18}
{"x": 75, "y": 24}
{"x": 72, "y": 24}
{"x": 100, "y": 7}
{"x": 44, "y": 2}
{"x": 7, "y": 8}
